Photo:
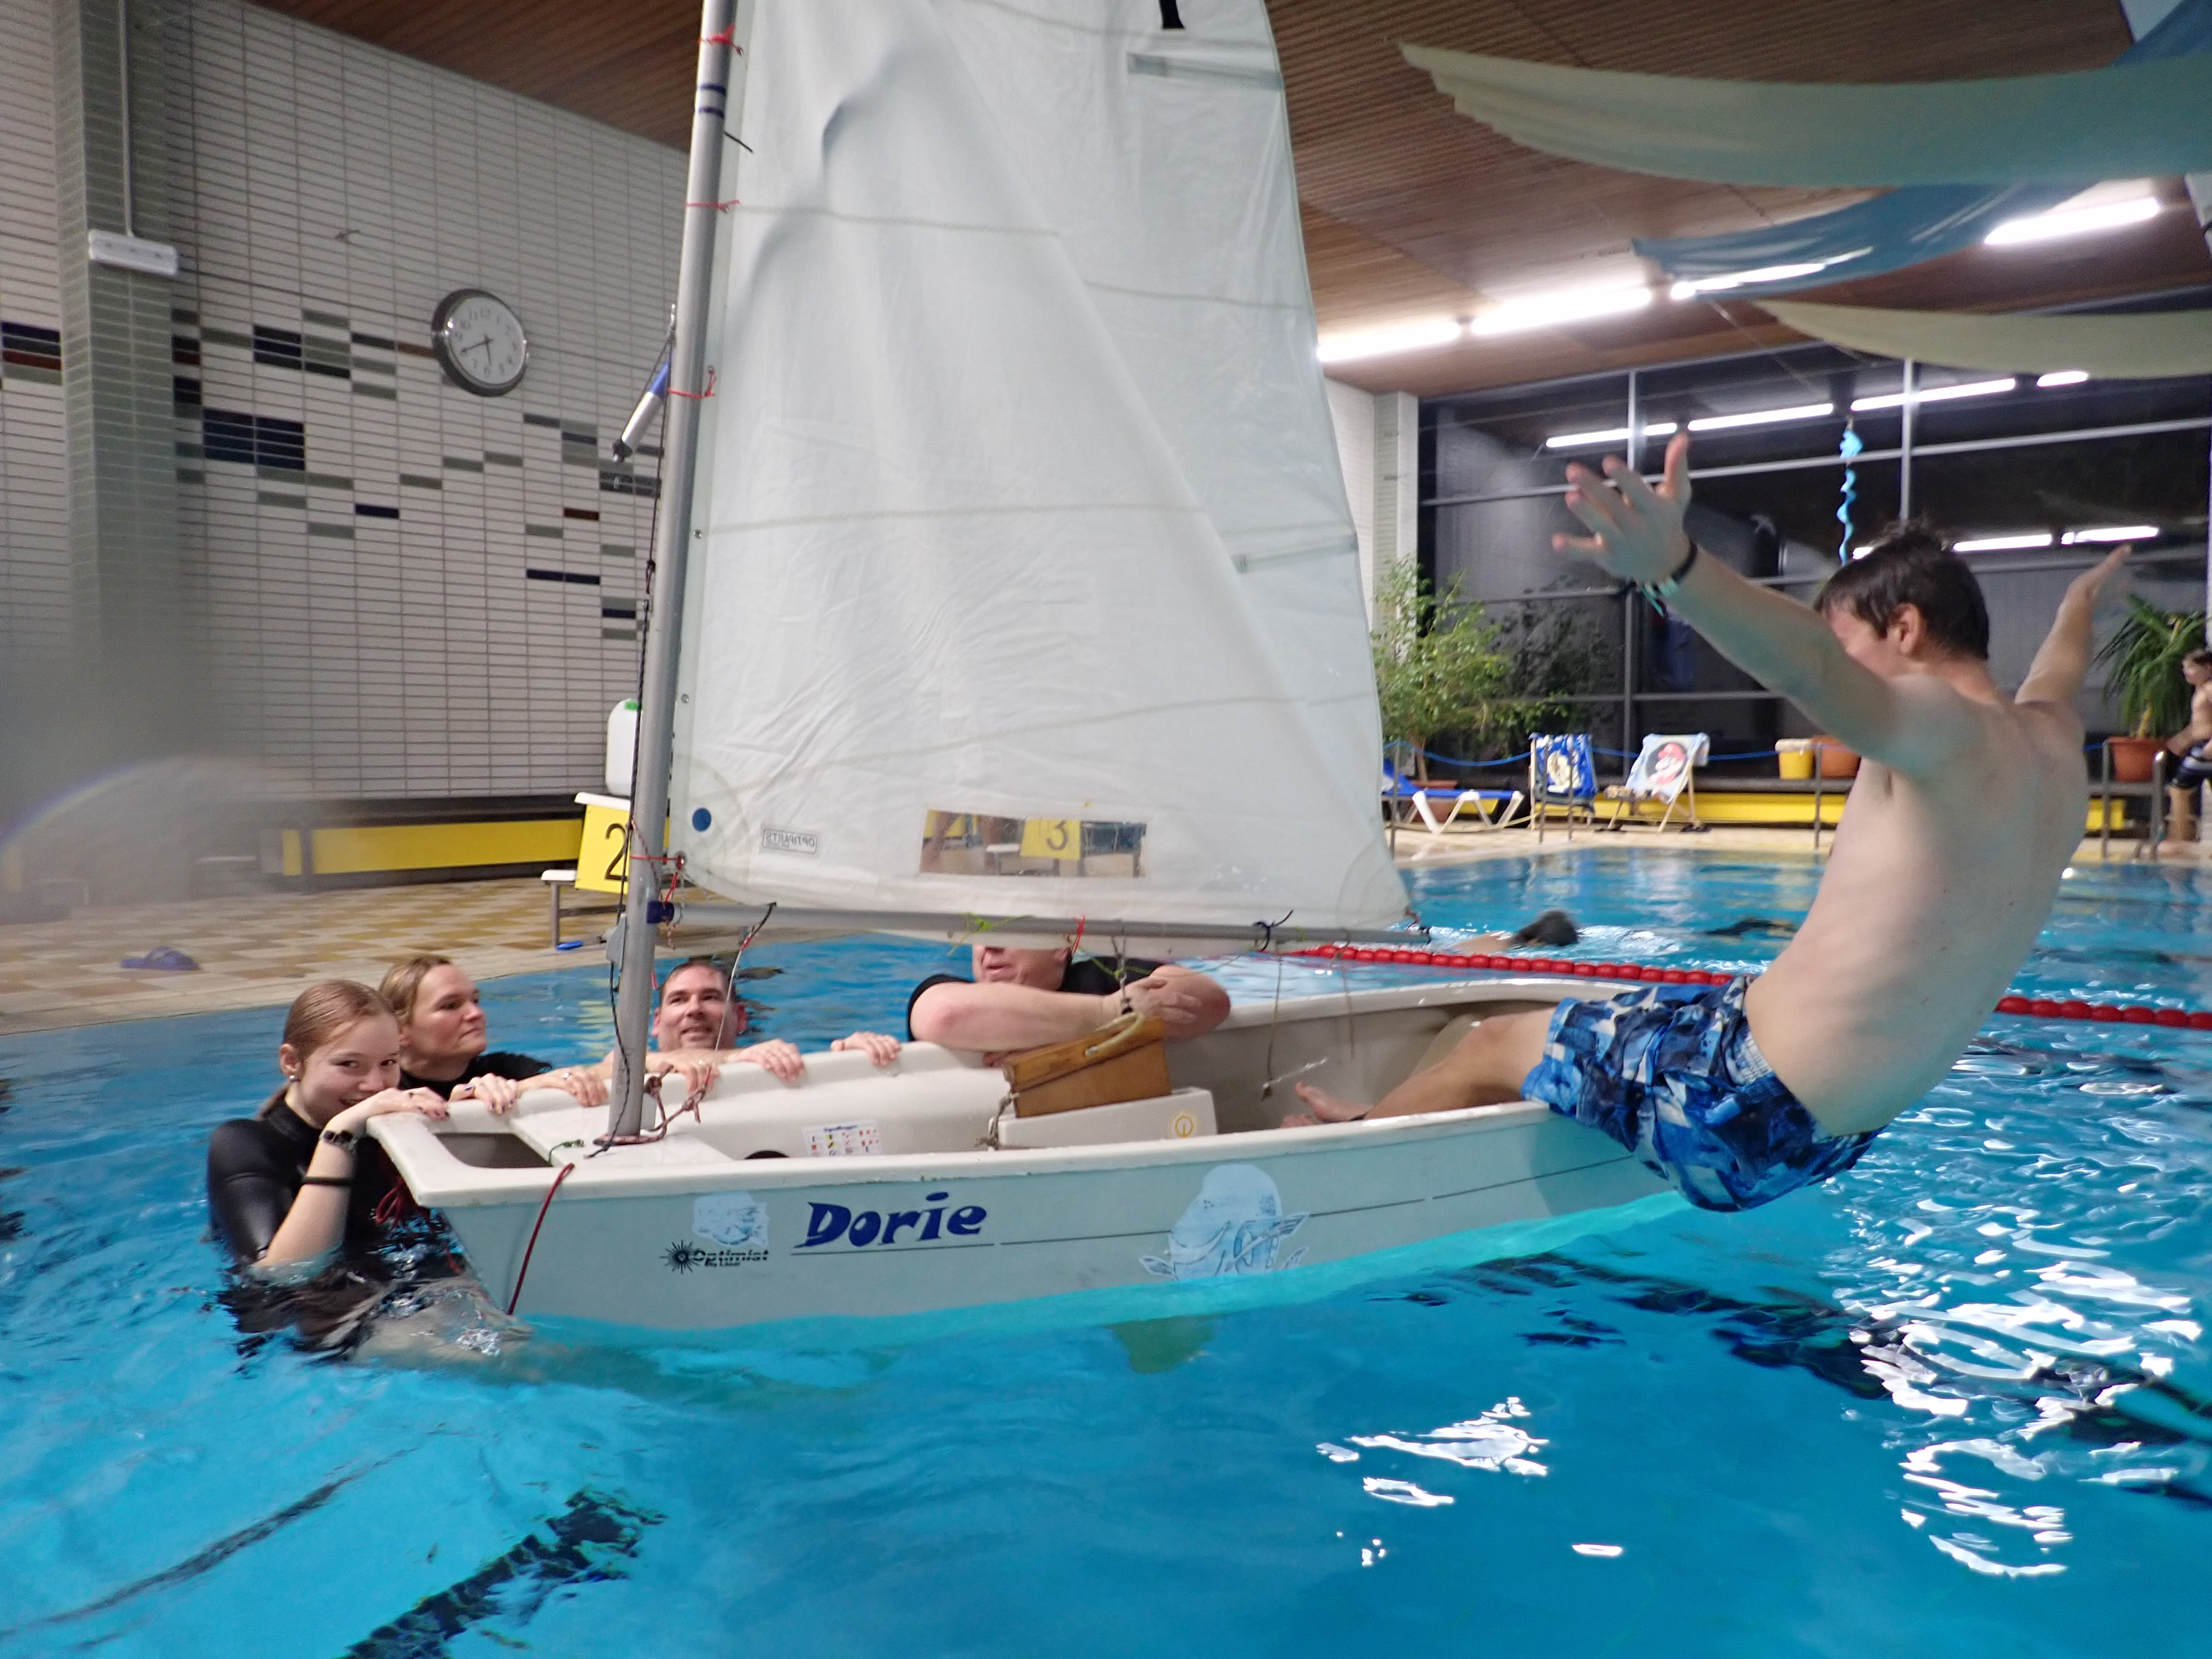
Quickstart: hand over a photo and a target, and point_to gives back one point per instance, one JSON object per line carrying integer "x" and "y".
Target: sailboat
{"x": 1004, "y": 586}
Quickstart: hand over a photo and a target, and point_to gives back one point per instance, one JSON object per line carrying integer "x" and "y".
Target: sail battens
{"x": 966, "y": 509}
{"x": 1290, "y": 308}
{"x": 1027, "y": 565}
{"x": 898, "y": 220}
{"x": 1152, "y": 62}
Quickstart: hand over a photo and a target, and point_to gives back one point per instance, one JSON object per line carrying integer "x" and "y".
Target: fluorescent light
{"x": 1384, "y": 342}
{"x": 2113, "y": 532}
{"x": 2063, "y": 377}
{"x": 1547, "y": 311}
{"x": 1614, "y": 435}
{"x": 2073, "y": 221}
{"x": 1999, "y": 544}
{"x": 1696, "y": 285}
{"x": 1934, "y": 394}
{"x": 1761, "y": 417}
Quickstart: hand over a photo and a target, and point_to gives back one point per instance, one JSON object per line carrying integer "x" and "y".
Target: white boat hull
{"x": 729, "y": 1222}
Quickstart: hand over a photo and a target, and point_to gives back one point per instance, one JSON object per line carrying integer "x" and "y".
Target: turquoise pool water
{"x": 1954, "y": 1403}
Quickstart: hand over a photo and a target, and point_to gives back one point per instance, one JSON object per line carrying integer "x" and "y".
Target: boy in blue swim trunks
{"x": 1966, "y": 809}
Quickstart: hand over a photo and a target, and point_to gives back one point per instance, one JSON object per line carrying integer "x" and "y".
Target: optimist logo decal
{"x": 736, "y": 1222}
{"x": 834, "y": 1224}
{"x": 803, "y": 841}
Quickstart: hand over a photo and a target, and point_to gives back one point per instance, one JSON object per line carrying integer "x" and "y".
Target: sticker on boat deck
{"x": 736, "y": 1219}
{"x": 844, "y": 1139}
{"x": 1235, "y": 1226}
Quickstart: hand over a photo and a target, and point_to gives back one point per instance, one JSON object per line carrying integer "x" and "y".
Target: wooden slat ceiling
{"x": 1412, "y": 210}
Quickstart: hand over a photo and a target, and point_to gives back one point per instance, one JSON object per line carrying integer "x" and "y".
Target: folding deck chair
{"x": 1665, "y": 769}
{"x": 1401, "y": 793}
{"x": 1560, "y": 770}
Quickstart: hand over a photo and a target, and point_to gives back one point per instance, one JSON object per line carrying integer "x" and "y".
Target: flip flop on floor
{"x": 166, "y": 957}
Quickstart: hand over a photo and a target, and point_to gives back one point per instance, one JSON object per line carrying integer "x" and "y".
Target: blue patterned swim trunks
{"x": 1672, "y": 1073}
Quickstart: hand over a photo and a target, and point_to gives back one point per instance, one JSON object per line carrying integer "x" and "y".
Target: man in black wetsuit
{"x": 1024, "y": 998}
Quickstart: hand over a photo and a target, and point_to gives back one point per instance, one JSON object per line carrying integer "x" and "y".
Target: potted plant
{"x": 1439, "y": 667}
{"x": 2142, "y": 666}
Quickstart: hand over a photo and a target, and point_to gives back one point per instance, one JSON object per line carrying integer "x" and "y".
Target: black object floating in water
{"x": 587, "y": 1543}
{"x": 1746, "y": 925}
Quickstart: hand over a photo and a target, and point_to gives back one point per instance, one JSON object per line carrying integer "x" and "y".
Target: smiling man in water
{"x": 1945, "y": 865}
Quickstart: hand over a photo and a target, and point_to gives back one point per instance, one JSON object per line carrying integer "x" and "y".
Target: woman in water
{"x": 443, "y": 1041}
{"x": 299, "y": 1177}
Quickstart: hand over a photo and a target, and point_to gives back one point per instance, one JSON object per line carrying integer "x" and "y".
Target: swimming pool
{"x": 1954, "y": 1402}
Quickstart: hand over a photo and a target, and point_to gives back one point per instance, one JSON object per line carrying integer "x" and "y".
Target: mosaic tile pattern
{"x": 34, "y": 546}
{"x": 410, "y": 589}
{"x": 403, "y": 589}
{"x": 261, "y": 951}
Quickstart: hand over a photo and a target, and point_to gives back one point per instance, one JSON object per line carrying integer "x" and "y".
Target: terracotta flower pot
{"x": 1834, "y": 760}
{"x": 2133, "y": 758}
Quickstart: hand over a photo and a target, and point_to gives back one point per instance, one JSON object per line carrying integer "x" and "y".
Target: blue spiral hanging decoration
{"x": 1848, "y": 449}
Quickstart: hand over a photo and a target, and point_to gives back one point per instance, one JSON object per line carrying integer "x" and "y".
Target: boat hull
{"x": 699, "y": 1233}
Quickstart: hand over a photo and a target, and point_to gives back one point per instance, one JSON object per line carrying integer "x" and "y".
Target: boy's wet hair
{"x": 1911, "y": 563}
{"x": 2200, "y": 658}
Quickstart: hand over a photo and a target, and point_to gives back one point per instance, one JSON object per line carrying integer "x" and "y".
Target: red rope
{"x": 2105, "y": 1013}
{"x": 696, "y": 396}
{"x": 523, "y": 1272}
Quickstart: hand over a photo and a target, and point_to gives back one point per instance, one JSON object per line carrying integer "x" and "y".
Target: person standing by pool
{"x": 442, "y": 1041}
{"x": 299, "y": 1177}
{"x": 1944, "y": 868}
{"x": 2191, "y": 743}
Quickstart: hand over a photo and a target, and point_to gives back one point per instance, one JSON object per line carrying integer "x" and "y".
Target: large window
{"x": 2032, "y": 475}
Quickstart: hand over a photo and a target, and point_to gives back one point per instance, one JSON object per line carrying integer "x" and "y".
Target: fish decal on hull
{"x": 1235, "y": 1226}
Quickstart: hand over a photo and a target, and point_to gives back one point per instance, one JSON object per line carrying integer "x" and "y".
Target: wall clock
{"x": 480, "y": 341}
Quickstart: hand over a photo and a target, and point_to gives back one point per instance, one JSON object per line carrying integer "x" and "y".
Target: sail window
{"x": 984, "y": 844}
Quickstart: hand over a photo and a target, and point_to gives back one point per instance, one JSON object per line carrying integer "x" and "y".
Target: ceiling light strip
{"x": 1934, "y": 394}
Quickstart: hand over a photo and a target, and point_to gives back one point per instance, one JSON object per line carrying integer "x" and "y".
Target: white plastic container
{"x": 621, "y": 746}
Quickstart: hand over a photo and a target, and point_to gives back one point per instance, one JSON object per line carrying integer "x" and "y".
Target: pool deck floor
{"x": 259, "y": 950}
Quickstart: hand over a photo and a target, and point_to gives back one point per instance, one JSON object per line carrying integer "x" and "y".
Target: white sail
{"x": 1022, "y": 581}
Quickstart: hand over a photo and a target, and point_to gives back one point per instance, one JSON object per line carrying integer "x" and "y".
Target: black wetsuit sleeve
{"x": 934, "y": 979}
{"x": 517, "y": 1066}
{"x": 251, "y": 1181}
{"x": 1096, "y": 976}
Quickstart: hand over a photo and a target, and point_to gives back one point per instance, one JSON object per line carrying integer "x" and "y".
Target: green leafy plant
{"x": 2142, "y": 665}
{"x": 1440, "y": 667}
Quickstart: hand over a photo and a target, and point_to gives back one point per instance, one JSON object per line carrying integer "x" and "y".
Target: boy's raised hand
{"x": 1637, "y": 533}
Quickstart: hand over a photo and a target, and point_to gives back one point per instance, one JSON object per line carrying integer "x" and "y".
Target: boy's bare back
{"x": 1935, "y": 890}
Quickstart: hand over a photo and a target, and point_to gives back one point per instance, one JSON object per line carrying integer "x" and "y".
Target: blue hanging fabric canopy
{"x": 2137, "y": 346}
{"x": 1906, "y": 226}
{"x": 2128, "y": 120}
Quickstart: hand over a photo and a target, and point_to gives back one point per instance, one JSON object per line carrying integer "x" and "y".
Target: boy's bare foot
{"x": 1326, "y": 1108}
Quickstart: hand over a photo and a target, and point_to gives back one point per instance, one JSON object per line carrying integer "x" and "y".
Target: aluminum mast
{"x": 680, "y": 439}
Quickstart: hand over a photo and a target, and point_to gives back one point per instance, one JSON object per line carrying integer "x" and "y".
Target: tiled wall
{"x": 409, "y": 589}
{"x": 35, "y": 542}
{"x": 400, "y": 588}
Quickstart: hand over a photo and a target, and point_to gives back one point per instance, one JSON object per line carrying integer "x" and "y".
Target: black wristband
{"x": 1664, "y": 589}
{"x": 327, "y": 1181}
{"x": 345, "y": 1140}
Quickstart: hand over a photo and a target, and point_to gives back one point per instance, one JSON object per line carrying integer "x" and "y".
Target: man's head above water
{"x": 1906, "y": 604}
{"x": 1041, "y": 971}
{"x": 696, "y": 1009}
